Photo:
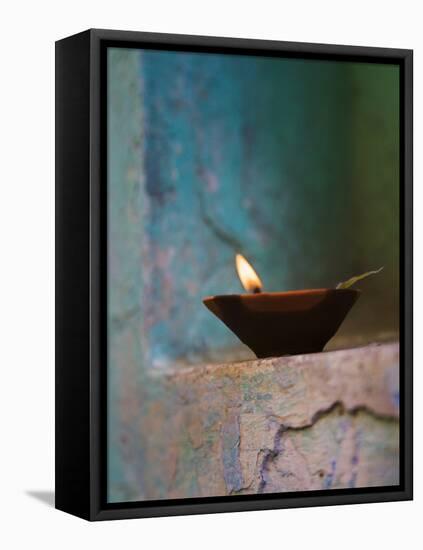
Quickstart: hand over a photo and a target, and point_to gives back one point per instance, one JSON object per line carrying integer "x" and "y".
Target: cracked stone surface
{"x": 317, "y": 421}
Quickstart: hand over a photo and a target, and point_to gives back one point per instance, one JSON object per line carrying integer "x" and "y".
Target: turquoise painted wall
{"x": 292, "y": 163}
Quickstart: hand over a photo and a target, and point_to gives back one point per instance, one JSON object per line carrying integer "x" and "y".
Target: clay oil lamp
{"x": 283, "y": 323}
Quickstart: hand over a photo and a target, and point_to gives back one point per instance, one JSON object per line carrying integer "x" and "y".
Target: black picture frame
{"x": 81, "y": 277}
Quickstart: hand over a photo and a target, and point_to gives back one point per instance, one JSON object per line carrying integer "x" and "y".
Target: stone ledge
{"x": 318, "y": 421}
{"x": 366, "y": 377}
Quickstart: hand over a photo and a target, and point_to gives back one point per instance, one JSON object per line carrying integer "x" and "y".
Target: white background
{"x": 27, "y": 37}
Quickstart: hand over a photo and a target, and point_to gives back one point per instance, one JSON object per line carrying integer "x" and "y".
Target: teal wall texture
{"x": 293, "y": 163}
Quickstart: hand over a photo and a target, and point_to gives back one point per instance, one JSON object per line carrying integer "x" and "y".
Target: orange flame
{"x": 249, "y": 278}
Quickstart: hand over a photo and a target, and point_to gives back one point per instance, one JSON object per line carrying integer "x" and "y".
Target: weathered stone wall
{"x": 317, "y": 421}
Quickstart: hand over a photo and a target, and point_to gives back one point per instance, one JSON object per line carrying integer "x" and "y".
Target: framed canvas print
{"x": 234, "y": 274}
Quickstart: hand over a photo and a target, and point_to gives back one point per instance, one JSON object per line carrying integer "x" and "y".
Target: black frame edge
{"x": 407, "y": 273}
{"x": 202, "y": 41}
{"x": 278, "y": 503}
{"x": 72, "y": 385}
